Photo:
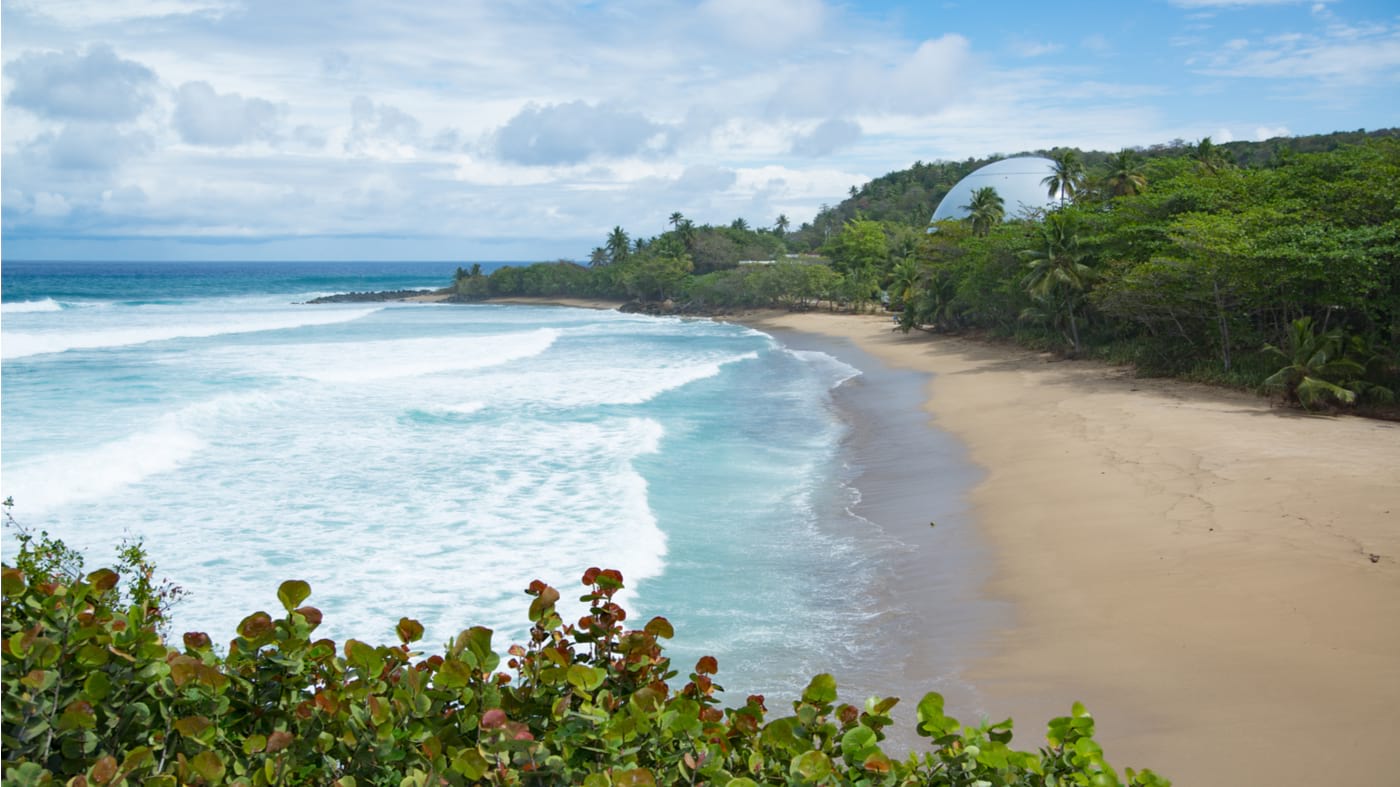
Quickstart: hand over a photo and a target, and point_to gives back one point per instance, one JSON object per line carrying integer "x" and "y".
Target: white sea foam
{"x": 25, "y": 307}
{"x": 23, "y": 344}
{"x": 465, "y": 408}
{"x": 69, "y": 477}
{"x": 839, "y": 370}
{"x": 594, "y": 383}
{"x": 396, "y": 358}
{"x": 56, "y": 479}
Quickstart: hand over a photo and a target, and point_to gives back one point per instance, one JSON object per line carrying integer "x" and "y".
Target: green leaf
{"x": 209, "y": 766}
{"x": 254, "y": 744}
{"x": 586, "y": 678}
{"x": 191, "y": 726}
{"x": 810, "y": 767}
{"x": 453, "y": 674}
{"x": 821, "y": 691}
{"x": 292, "y": 592}
{"x": 858, "y": 744}
{"x": 932, "y": 721}
{"x": 97, "y": 686}
{"x": 470, "y": 764}
{"x": 636, "y": 777}
{"x": 364, "y": 657}
{"x": 660, "y": 627}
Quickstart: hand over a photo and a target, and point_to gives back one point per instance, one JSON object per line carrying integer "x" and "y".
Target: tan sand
{"x": 1216, "y": 578}
{"x": 428, "y": 297}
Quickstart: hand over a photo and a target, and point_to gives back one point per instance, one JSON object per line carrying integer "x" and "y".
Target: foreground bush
{"x": 94, "y": 695}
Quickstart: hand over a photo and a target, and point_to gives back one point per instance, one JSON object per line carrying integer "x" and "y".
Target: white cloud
{"x": 49, "y": 205}
{"x": 89, "y": 147}
{"x": 94, "y": 85}
{"x": 1347, "y": 55}
{"x": 828, "y": 137}
{"x": 766, "y": 24}
{"x": 1025, "y": 47}
{"x": 1269, "y": 132}
{"x": 487, "y": 121}
{"x": 206, "y": 117}
{"x": 577, "y": 131}
{"x": 92, "y": 13}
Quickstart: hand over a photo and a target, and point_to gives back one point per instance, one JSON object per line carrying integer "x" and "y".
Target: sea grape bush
{"x": 93, "y": 695}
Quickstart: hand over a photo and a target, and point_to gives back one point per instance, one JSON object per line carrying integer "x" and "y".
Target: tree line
{"x": 1223, "y": 263}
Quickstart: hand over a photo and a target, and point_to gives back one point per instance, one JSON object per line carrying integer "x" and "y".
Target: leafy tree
{"x": 1126, "y": 175}
{"x": 1316, "y": 371}
{"x": 1068, "y": 177}
{"x": 861, "y": 248}
{"x": 1057, "y": 263}
{"x": 985, "y": 210}
{"x": 656, "y": 278}
{"x": 618, "y": 245}
{"x": 1209, "y": 157}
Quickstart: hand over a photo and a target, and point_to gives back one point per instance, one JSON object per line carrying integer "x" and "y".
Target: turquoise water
{"x": 430, "y": 460}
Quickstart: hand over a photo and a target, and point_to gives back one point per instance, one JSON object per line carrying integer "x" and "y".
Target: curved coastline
{"x": 1215, "y": 578}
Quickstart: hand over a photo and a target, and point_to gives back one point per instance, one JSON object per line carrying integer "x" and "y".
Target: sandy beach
{"x": 1217, "y": 579}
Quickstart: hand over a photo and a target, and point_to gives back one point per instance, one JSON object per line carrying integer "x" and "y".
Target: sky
{"x": 526, "y": 129}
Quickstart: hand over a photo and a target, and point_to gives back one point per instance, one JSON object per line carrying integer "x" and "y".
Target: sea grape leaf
{"x": 409, "y": 630}
{"x": 660, "y": 627}
{"x": 292, "y": 592}
{"x": 821, "y": 691}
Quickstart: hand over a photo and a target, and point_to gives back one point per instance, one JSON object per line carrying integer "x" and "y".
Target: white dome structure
{"x": 1018, "y": 182}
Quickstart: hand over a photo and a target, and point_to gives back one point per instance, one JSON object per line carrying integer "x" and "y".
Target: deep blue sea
{"x": 429, "y": 460}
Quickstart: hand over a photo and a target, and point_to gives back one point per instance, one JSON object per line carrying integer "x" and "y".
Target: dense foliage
{"x": 93, "y": 694}
{"x": 1213, "y": 262}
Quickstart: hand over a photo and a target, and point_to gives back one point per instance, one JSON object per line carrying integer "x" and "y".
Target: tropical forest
{"x": 1272, "y": 266}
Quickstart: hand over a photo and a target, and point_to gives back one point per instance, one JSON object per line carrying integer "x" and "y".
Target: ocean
{"x": 430, "y": 460}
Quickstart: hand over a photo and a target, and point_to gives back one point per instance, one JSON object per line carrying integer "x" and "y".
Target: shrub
{"x": 93, "y": 695}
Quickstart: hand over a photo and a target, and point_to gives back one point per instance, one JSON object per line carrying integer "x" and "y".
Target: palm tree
{"x": 676, "y": 219}
{"x": 1057, "y": 263}
{"x": 1209, "y": 157}
{"x": 985, "y": 210}
{"x": 782, "y": 224}
{"x": 617, "y": 245}
{"x": 904, "y": 283}
{"x": 599, "y": 256}
{"x": 1315, "y": 370}
{"x": 1068, "y": 176}
{"x": 686, "y": 229}
{"x": 739, "y": 224}
{"x": 1125, "y": 175}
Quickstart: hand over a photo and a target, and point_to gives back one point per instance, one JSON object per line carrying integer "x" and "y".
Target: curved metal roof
{"x": 1017, "y": 181}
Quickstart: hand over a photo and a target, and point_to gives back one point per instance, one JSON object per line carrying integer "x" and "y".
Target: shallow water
{"x": 430, "y": 460}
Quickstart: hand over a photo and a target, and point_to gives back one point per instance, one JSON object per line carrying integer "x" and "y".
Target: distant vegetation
{"x": 93, "y": 695}
{"x": 1183, "y": 259}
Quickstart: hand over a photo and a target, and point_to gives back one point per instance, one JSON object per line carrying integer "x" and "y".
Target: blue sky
{"x": 502, "y": 129}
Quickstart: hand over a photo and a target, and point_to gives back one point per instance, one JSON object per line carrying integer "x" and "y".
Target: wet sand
{"x": 927, "y": 617}
{"x": 1216, "y": 578}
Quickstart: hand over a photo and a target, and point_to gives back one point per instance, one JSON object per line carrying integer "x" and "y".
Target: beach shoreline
{"x": 1217, "y": 579}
